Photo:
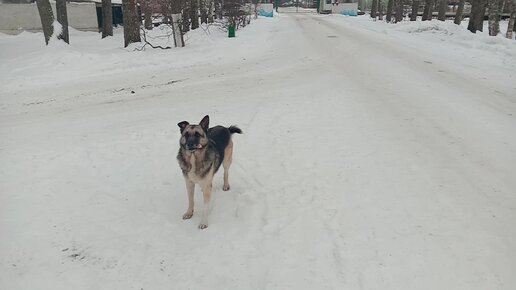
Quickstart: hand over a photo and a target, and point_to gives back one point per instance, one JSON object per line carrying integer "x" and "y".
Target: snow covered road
{"x": 371, "y": 160}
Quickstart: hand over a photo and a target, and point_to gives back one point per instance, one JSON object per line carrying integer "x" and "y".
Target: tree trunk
{"x": 211, "y": 7}
{"x": 380, "y": 10}
{"x": 176, "y": 30}
{"x": 374, "y": 8}
{"x": 494, "y": 17}
{"x": 390, "y": 4}
{"x": 194, "y": 13}
{"x": 147, "y": 14}
{"x": 47, "y": 18}
{"x": 502, "y": 6}
{"x": 204, "y": 11}
{"x": 218, "y": 9}
{"x": 399, "y": 11}
{"x": 443, "y": 4}
{"x": 107, "y": 18}
{"x": 473, "y": 14}
{"x": 512, "y": 21}
{"x": 476, "y": 18}
{"x": 185, "y": 17}
{"x": 415, "y": 10}
{"x": 429, "y": 9}
{"x": 481, "y": 13}
{"x": 62, "y": 18}
{"x": 458, "y": 14}
{"x": 131, "y": 23}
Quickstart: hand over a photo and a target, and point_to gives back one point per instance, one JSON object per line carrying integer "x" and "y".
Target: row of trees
{"x": 47, "y": 19}
{"x": 180, "y": 15}
{"x": 397, "y": 10}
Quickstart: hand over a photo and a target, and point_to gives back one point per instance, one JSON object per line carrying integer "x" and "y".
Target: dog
{"x": 201, "y": 152}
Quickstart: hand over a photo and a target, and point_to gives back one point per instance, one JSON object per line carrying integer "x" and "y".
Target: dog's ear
{"x": 205, "y": 123}
{"x": 182, "y": 125}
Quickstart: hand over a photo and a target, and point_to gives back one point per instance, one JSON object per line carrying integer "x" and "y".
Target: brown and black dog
{"x": 201, "y": 152}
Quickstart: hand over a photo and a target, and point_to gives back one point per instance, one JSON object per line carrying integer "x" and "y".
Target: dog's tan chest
{"x": 192, "y": 168}
{"x": 192, "y": 173}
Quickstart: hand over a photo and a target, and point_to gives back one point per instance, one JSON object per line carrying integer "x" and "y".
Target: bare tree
{"x": 147, "y": 13}
{"x": 176, "y": 30}
{"x": 380, "y": 10}
{"x": 374, "y": 8}
{"x": 460, "y": 11}
{"x": 443, "y": 4}
{"x": 185, "y": 16}
{"x": 62, "y": 18}
{"x": 390, "y": 5}
{"x": 429, "y": 9}
{"x": 399, "y": 11}
{"x": 211, "y": 8}
{"x": 171, "y": 10}
{"x": 476, "y": 19}
{"x": 131, "y": 23}
{"x": 481, "y": 14}
{"x": 204, "y": 11}
{"x": 47, "y": 18}
{"x": 512, "y": 21}
{"x": 107, "y": 18}
{"x": 494, "y": 16}
{"x": 415, "y": 10}
{"x": 473, "y": 14}
{"x": 194, "y": 14}
{"x": 218, "y": 9}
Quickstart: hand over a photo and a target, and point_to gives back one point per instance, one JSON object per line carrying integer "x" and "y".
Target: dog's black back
{"x": 219, "y": 137}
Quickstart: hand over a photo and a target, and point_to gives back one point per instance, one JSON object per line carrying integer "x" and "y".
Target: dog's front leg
{"x": 206, "y": 190}
{"x": 190, "y": 188}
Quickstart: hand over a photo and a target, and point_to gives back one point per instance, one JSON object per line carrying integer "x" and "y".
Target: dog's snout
{"x": 191, "y": 145}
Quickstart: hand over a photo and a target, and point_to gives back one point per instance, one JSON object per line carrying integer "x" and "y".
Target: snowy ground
{"x": 375, "y": 156}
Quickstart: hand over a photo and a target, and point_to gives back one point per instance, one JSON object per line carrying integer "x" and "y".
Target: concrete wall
{"x": 15, "y": 18}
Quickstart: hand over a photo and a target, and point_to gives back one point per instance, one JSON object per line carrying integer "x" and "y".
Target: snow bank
{"x": 26, "y": 63}
{"x": 469, "y": 53}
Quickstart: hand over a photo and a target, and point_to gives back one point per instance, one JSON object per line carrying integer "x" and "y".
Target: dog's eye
{"x": 186, "y": 135}
{"x": 197, "y": 134}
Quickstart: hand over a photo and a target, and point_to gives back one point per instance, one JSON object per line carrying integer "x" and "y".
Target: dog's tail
{"x": 234, "y": 129}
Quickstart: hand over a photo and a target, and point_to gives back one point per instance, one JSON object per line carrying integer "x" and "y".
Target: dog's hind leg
{"x": 228, "y": 157}
{"x": 190, "y": 188}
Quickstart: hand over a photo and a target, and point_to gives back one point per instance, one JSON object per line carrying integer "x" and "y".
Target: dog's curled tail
{"x": 234, "y": 129}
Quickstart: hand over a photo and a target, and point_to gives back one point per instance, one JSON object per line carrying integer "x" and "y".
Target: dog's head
{"x": 194, "y": 137}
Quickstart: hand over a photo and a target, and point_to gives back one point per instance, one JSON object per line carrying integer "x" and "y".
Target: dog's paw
{"x": 188, "y": 215}
{"x": 202, "y": 226}
{"x": 225, "y": 187}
